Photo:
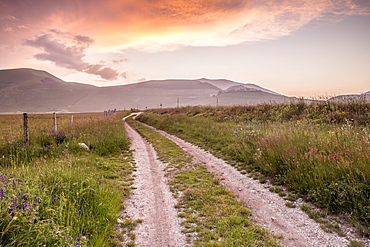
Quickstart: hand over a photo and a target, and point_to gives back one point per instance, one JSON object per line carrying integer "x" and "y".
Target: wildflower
{"x": 2, "y": 194}
{"x": 78, "y": 211}
{"x": 46, "y": 148}
{"x": 11, "y": 211}
{"x": 14, "y": 185}
{"x": 37, "y": 200}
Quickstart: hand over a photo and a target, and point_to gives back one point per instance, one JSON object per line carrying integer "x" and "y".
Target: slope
{"x": 29, "y": 90}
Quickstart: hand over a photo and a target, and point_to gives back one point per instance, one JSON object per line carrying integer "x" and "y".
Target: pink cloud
{"x": 67, "y": 55}
{"x": 165, "y": 24}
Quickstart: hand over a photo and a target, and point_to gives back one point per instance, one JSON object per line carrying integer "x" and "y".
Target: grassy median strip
{"x": 212, "y": 216}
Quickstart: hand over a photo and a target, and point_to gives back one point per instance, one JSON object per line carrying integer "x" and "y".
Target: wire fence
{"x": 17, "y": 127}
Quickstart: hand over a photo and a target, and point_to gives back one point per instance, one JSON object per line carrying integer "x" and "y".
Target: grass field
{"x": 54, "y": 193}
{"x": 11, "y": 126}
{"x": 320, "y": 152}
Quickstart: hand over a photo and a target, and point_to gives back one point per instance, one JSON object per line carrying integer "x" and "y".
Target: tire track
{"x": 152, "y": 200}
{"x": 269, "y": 210}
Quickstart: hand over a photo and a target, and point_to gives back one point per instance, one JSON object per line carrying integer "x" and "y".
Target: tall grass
{"x": 11, "y": 126}
{"x": 54, "y": 193}
{"x": 325, "y": 161}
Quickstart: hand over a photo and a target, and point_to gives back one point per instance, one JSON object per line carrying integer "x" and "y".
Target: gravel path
{"x": 152, "y": 200}
{"x": 269, "y": 210}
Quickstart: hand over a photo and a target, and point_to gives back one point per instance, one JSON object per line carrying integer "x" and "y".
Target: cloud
{"x": 167, "y": 24}
{"x": 124, "y": 75}
{"x": 69, "y": 55}
{"x": 121, "y": 60}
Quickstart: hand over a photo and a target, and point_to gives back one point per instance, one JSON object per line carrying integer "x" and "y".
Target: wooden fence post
{"x": 55, "y": 122}
{"x": 25, "y": 127}
{"x": 71, "y": 120}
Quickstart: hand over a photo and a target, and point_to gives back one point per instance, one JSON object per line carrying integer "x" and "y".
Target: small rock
{"x": 84, "y": 146}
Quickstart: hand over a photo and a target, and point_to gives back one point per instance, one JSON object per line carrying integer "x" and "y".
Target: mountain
{"x": 228, "y": 85}
{"x": 351, "y": 97}
{"x": 30, "y": 90}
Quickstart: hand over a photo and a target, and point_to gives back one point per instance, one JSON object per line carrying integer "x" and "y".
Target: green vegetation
{"x": 212, "y": 216}
{"x": 11, "y": 126}
{"x": 354, "y": 243}
{"x": 55, "y": 193}
{"x": 318, "y": 151}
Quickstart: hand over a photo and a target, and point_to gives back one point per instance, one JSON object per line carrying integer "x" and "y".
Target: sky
{"x": 303, "y": 48}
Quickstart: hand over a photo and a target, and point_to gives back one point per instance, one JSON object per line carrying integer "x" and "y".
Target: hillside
{"x": 30, "y": 90}
{"x": 351, "y": 97}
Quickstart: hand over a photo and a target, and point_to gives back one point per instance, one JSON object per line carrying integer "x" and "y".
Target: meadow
{"x": 55, "y": 193}
{"x": 318, "y": 151}
{"x": 11, "y": 126}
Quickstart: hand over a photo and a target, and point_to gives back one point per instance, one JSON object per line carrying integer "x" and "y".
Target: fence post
{"x": 25, "y": 127}
{"x": 71, "y": 122}
{"x": 55, "y": 122}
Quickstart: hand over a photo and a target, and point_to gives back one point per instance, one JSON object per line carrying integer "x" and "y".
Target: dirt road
{"x": 152, "y": 201}
{"x": 269, "y": 210}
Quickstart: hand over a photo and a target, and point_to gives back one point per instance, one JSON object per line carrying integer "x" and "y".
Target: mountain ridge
{"x": 36, "y": 91}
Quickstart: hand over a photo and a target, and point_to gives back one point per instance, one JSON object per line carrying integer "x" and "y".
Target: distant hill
{"x": 30, "y": 90}
{"x": 351, "y": 97}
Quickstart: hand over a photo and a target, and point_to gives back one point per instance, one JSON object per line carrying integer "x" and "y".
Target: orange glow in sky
{"x": 299, "y": 48}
